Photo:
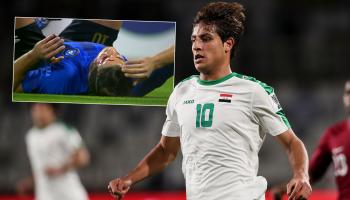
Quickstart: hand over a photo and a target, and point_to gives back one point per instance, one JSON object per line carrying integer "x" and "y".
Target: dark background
{"x": 301, "y": 48}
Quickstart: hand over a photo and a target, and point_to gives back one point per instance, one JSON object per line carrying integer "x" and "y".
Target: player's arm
{"x": 143, "y": 68}
{"x": 320, "y": 159}
{"x": 44, "y": 50}
{"x": 79, "y": 158}
{"x": 299, "y": 186}
{"x": 23, "y": 21}
{"x": 154, "y": 162}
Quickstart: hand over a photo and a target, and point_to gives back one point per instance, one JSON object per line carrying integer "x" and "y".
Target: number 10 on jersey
{"x": 204, "y": 116}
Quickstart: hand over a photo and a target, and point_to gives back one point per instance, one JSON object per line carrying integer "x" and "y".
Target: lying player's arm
{"x": 154, "y": 162}
{"x": 143, "y": 68}
{"x": 79, "y": 158}
{"x": 299, "y": 186}
{"x": 44, "y": 50}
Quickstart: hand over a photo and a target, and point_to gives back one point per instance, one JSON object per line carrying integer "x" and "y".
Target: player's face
{"x": 109, "y": 57}
{"x": 207, "y": 48}
{"x": 346, "y": 96}
{"x": 42, "y": 114}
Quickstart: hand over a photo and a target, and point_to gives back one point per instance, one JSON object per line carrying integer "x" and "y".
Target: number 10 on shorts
{"x": 204, "y": 116}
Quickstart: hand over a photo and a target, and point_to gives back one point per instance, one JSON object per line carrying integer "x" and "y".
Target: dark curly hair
{"x": 109, "y": 81}
{"x": 228, "y": 20}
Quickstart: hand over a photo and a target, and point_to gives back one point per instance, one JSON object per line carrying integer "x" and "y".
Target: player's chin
{"x": 201, "y": 67}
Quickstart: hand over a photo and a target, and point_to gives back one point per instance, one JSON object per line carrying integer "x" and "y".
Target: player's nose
{"x": 196, "y": 46}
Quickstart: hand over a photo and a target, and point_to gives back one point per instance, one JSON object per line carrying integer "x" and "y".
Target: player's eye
{"x": 206, "y": 38}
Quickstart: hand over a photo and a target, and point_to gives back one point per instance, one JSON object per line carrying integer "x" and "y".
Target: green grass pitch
{"x": 157, "y": 97}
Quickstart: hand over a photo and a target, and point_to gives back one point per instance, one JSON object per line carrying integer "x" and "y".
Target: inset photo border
{"x": 93, "y": 61}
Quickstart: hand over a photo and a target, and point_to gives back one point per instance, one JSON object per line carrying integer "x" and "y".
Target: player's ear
{"x": 228, "y": 44}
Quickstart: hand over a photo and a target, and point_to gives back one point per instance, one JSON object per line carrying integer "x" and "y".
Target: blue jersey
{"x": 69, "y": 76}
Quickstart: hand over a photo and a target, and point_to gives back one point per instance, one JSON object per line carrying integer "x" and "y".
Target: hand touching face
{"x": 109, "y": 57}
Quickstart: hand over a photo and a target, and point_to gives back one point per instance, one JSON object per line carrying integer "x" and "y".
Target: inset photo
{"x": 93, "y": 61}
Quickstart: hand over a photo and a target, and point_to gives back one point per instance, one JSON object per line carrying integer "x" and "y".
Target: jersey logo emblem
{"x": 189, "y": 101}
{"x": 225, "y": 97}
{"x": 71, "y": 52}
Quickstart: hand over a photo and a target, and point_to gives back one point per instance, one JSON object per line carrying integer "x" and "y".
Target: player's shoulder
{"x": 337, "y": 127}
{"x": 252, "y": 82}
{"x": 187, "y": 80}
{"x": 183, "y": 86}
{"x": 30, "y": 133}
{"x": 65, "y": 128}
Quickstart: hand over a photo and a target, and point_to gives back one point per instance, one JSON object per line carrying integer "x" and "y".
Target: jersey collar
{"x": 214, "y": 82}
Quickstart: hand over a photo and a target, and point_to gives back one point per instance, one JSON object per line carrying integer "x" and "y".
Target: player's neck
{"x": 216, "y": 74}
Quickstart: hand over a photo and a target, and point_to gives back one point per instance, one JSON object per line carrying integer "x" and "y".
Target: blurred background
{"x": 301, "y": 48}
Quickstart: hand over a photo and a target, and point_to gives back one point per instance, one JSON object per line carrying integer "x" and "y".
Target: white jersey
{"x": 52, "y": 146}
{"x": 222, "y": 125}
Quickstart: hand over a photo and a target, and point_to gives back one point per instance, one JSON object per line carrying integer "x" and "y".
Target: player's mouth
{"x": 198, "y": 58}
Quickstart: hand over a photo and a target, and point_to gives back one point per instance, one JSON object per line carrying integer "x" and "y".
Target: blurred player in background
{"x": 333, "y": 146}
{"x": 71, "y": 64}
{"x": 55, "y": 152}
{"x": 220, "y": 119}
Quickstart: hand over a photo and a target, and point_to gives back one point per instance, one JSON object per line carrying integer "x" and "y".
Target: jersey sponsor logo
{"x": 191, "y": 101}
{"x": 71, "y": 52}
{"x": 225, "y": 97}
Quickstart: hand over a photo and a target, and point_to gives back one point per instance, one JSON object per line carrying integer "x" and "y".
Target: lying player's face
{"x": 207, "y": 48}
{"x": 109, "y": 57}
{"x": 346, "y": 96}
{"x": 42, "y": 114}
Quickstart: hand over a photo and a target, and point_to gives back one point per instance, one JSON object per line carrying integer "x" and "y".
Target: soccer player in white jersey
{"x": 220, "y": 119}
{"x": 55, "y": 152}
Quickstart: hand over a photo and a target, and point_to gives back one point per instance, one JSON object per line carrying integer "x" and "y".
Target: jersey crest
{"x": 71, "y": 52}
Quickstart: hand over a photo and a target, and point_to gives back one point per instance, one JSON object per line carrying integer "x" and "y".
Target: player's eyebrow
{"x": 207, "y": 34}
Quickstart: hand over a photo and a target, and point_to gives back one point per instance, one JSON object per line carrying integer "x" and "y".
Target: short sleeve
{"x": 171, "y": 126}
{"x": 73, "y": 139}
{"x": 268, "y": 111}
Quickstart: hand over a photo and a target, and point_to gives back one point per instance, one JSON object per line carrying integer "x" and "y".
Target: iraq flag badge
{"x": 225, "y": 97}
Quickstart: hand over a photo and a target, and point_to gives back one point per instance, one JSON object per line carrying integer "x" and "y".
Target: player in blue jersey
{"x": 57, "y": 66}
